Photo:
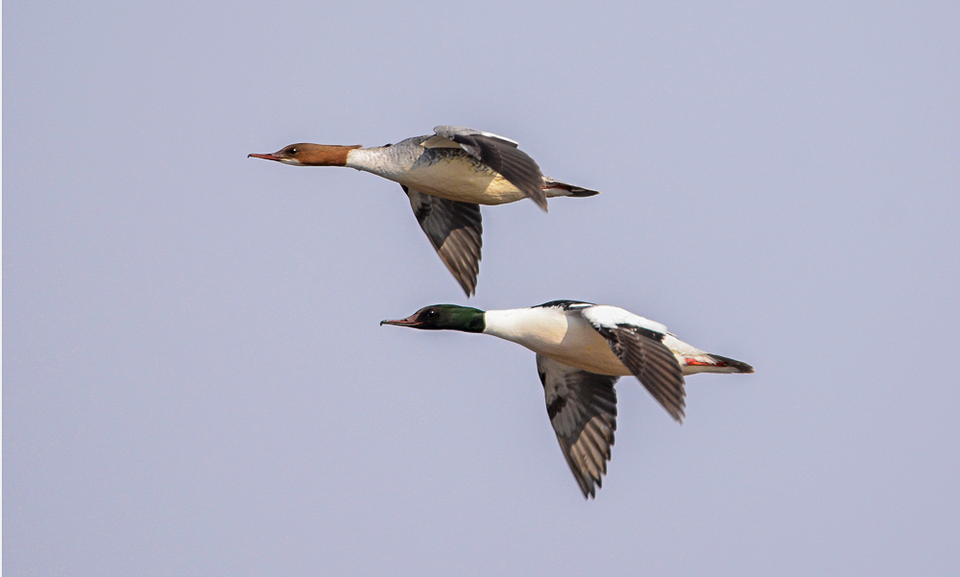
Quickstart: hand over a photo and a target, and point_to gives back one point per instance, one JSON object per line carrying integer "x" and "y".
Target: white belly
{"x": 458, "y": 179}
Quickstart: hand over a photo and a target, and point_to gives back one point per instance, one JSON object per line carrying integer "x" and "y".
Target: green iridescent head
{"x": 444, "y": 317}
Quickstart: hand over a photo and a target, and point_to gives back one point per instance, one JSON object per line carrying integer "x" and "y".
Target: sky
{"x": 195, "y": 381}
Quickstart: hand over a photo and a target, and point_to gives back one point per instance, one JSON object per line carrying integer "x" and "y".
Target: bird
{"x": 582, "y": 350}
{"x": 446, "y": 176}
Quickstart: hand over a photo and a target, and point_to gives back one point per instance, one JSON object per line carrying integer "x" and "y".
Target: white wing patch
{"x": 498, "y": 137}
{"x": 611, "y": 317}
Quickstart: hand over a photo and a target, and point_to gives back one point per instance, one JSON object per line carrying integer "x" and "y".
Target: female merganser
{"x": 446, "y": 175}
{"x": 582, "y": 350}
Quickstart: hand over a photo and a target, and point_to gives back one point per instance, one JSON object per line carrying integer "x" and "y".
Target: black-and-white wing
{"x": 582, "y": 407}
{"x": 638, "y": 343}
{"x": 502, "y": 155}
{"x": 454, "y": 229}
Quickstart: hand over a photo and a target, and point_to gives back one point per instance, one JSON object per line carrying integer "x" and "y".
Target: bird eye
{"x": 430, "y": 313}
{"x": 293, "y": 151}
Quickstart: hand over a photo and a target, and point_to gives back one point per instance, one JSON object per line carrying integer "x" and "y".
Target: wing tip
{"x": 588, "y": 484}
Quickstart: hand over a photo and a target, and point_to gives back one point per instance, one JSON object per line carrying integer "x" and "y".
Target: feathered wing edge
{"x": 455, "y": 230}
{"x": 582, "y": 407}
{"x": 643, "y": 352}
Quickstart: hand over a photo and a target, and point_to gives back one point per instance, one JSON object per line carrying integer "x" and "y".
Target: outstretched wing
{"x": 454, "y": 230}
{"x": 502, "y": 155}
{"x": 638, "y": 343}
{"x": 582, "y": 407}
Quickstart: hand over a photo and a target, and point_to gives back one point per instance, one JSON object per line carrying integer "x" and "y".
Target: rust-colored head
{"x": 306, "y": 154}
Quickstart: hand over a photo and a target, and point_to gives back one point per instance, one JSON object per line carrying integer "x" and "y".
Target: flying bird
{"x": 582, "y": 350}
{"x": 446, "y": 176}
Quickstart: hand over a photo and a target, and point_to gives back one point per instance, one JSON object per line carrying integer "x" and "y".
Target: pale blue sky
{"x": 195, "y": 382}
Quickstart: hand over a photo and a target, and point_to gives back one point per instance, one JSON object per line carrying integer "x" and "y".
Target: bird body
{"x": 582, "y": 350}
{"x": 566, "y": 331}
{"x": 441, "y": 171}
{"x": 446, "y": 176}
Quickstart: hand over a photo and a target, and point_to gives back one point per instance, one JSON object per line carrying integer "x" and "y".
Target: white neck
{"x": 381, "y": 161}
{"x": 532, "y": 328}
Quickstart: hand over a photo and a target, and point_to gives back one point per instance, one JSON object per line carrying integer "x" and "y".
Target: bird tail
{"x": 710, "y": 363}
{"x": 556, "y": 188}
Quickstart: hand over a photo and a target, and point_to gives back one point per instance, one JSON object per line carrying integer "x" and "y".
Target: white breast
{"x": 563, "y": 336}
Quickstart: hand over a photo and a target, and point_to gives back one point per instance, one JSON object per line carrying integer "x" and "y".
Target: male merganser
{"x": 582, "y": 350}
{"x": 446, "y": 175}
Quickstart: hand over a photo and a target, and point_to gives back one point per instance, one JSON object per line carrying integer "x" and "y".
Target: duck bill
{"x": 265, "y": 156}
{"x": 410, "y": 321}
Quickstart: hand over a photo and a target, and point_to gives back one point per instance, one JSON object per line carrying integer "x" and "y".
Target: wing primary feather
{"x": 643, "y": 352}
{"x": 455, "y": 230}
{"x": 582, "y": 407}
